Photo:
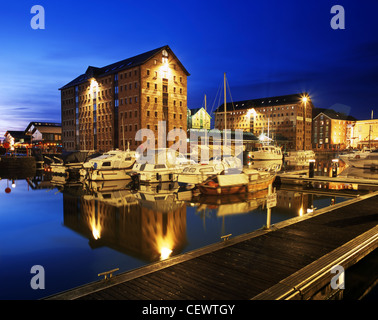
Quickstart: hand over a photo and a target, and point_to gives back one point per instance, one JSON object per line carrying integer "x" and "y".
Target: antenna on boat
{"x": 205, "y": 120}
{"x": 123, "y": 136}
{"x": 225, "y": 111}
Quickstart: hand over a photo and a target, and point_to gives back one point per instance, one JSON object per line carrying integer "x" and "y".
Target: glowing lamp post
{"x": 304, "y": 101}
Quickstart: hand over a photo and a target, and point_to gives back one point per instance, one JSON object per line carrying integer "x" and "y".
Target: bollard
{"x": 311, "y": 169}
{"x": 226, "y": 237}
{"x": 108, "y": 274}
{"x": 335, "y": 164}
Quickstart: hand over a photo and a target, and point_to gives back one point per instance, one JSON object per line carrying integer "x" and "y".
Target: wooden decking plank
{"x": 231, "y": 280}
{"x": 235, "y": 278}
{"x": 259, "y": 270}
{"x": 212, "y": 286}
{"x": 251, "y": 271}
{"x": 148, "y": 288}
{"x": 179, "y": 292}
{"x": 131, "y": 291}
{"x": 304, "y": 232}
{"x": 282, "y": 251}
{"x": 217, "y": 287}
{"x": 306, "y": 245}
{"x": 261, "y": 259}
{"x": 203, "y": 289}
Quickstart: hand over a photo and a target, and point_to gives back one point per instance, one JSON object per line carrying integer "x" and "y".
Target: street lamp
{"x": 304, "y": 101}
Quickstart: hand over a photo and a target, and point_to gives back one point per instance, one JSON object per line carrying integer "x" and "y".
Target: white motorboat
{"x": 354, "y": 154}
{"x": 160, "y": 165}
{"x": 266, "y": 165}
{"x": 265, "y": 152}
{"x": 196, "y": 174}
{"x": 363, "y": 160}
{"x": 112, "y": 165}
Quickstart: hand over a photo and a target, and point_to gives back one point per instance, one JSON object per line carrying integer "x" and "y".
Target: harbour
{"x": 105, "y": 226}
{"x": 226, "y": 271}
{"x": 189, "y": 158}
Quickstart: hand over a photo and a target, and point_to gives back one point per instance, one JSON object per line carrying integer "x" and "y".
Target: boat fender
{"x": 158, "y": 176}
{"x": 219, "y": 190}
{"x": 95, "y": 166}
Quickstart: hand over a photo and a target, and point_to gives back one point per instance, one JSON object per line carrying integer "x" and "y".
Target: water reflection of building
{"x": 116, "y": 219}
{"x": 325, "y": 167}
{"x": 294, "y": 202}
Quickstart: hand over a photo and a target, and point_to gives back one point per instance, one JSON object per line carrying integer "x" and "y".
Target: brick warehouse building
{"x": 285, "y": 114}
{"x": 106, "y": 106}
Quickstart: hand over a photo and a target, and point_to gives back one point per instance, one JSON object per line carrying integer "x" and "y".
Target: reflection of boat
{"x": 233, "y": 204}
{"x": 299, "y": 156}
{"x": 196, "y": 174}
{"x": 249, "y": 181}
{"x": 160, "y": 165}
{"x": 106, "y": 185}
{"x": 363, "y": 160}
{"x": 159, "y": 197}
{"x": 112, "y": 165}
{"x": 113, "y": 198}
{"x": 265, "y": 152}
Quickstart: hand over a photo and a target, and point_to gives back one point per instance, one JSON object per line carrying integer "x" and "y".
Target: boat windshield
{"x": 104, "y": 156}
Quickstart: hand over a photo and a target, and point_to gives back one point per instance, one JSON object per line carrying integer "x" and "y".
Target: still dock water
{"x": 75, "y": 231}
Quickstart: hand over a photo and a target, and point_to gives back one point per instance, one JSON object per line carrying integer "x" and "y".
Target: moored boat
{"x": 368, "y": 160}
{"x": 265, "y": 152}
{"x": 112, "y": 165}
{"x": 198, "y": 173}
{"x": 160, "y": 165}
{"x": 248, "y": 181}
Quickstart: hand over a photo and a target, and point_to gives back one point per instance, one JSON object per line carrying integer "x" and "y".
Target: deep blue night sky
{"x": 267, "y": 48}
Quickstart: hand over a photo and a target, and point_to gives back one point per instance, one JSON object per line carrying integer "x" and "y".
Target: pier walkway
{"x": 302, "y": 178}
{"x": 292, "y": 260}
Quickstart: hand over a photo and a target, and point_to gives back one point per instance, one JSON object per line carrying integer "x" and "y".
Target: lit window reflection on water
{"x": 77, "y": 230}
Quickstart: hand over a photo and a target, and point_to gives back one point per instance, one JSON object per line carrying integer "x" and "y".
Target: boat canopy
{"x": 232, "y": 179}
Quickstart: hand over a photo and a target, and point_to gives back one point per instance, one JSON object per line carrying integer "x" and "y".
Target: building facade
{"x": 285, "y": 119}
{"x": 45, "y": 135}
{"x": 104, "y": 108}
{"x": 363, "y": 134}
{"x": 330, "y": 130}
{"x": 198, "y": 119}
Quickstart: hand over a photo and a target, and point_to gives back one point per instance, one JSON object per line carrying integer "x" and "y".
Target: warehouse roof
{"x": 94, "y": 72}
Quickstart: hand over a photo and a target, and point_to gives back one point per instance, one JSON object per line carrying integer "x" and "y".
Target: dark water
{"x": 77, "y": 230}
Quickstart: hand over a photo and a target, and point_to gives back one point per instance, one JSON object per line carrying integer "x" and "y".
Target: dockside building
{"x": 285, "y": 119}
{"x": 103, "y": 108}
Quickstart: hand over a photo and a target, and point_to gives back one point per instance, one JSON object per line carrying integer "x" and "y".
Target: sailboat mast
{"x": 123, "y": 135}
{"x": 205, "y": 122}
{"x": 225, "y": 110}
